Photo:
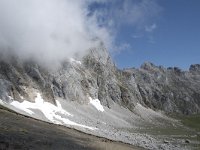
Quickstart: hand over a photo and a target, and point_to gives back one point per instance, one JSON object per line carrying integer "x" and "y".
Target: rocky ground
{"x": 18, "y": 132}
{"x": 151, "y": 130}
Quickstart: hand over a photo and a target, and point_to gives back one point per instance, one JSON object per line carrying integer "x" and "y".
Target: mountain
{"x": 171, "y": 90}
{"x": 94, "y": 96}
{"x": 96, "y": 76}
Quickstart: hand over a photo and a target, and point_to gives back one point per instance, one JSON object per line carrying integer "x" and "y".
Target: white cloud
{"x": 150, "y": 28}
{"x": 47, "y": 31}
{"x": 135, "y": 36}
{"x": 131, "y": 14}
{"x": 121, "y": 47}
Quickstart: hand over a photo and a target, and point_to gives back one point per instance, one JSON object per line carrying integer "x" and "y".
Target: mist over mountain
{"x": 48, "y": 31}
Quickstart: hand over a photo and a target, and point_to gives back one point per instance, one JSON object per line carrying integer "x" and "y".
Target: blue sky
{"x": 164, "y": 32}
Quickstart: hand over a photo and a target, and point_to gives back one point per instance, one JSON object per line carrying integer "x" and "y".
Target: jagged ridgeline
{"x": 168, "y": 89}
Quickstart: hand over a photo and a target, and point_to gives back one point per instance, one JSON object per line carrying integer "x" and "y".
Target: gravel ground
{"x": 20, "y": 132}
{"x": 118, "y": 124}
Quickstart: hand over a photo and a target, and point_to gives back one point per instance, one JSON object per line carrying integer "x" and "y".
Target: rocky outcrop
{"x": 170, "y": 90}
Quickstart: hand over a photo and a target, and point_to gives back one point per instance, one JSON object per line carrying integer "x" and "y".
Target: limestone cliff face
{"x": 170, "y": 90}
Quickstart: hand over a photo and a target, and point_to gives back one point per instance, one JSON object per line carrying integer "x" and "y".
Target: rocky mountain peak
{"x": 194, "y": 68}
{"x": 147, "y": 65}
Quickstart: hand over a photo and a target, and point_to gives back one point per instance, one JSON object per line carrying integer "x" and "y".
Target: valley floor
{"x": 20, "y": 132}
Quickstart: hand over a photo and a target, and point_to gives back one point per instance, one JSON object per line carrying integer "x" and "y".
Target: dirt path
{"x": 19, "y": 133}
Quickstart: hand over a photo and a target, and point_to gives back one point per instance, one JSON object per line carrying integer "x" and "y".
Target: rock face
{"x": 170, "y": 90}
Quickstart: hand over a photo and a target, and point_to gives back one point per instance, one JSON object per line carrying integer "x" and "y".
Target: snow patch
{"x": 38, "y": 100}
{"x": 1, "y": 102}
{"x": 51, "y": 112}
{"x": 58, "y": 104}
{"x": 10, "y": 98}
{"x": 72, "y": 60}
{"x": 23, "y": 106}
{"x": 96, "y": 103}
{"x": 21, "y": 97}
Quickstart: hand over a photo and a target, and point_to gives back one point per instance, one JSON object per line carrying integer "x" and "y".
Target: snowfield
{"x": 51, "y": 112}
{"x": 96, "y": 103}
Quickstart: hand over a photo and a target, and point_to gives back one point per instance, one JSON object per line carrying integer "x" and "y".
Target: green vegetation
{"x": 192, "y": 121}
{"x": 185, "y": 132}
{"x": 23, "y": 131}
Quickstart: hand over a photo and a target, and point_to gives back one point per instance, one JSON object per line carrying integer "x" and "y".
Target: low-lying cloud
{"x": 47, "y": 31}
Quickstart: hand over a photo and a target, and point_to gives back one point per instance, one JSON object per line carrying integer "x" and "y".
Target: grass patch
{"x": 192, "y": 121}
{"x": 23, "y": 130}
